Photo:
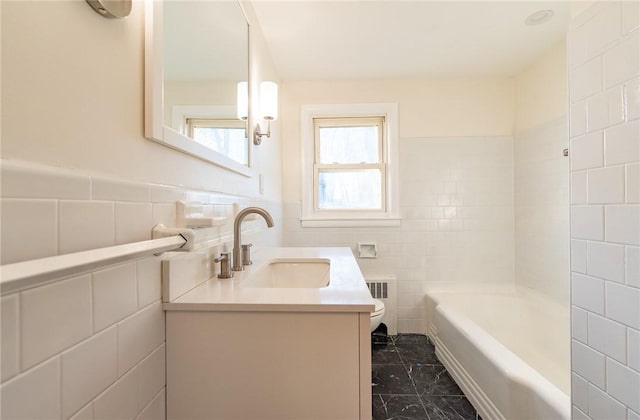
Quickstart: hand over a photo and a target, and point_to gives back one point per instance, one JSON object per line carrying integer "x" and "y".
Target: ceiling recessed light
{"x": 541, "y": 16}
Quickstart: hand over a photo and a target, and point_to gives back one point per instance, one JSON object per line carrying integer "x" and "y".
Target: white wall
{"x": 604, "y": 93}
{"x": 78, "y": 174}
{"x": 541, "y": 177}
{"x": 456, "y": 194}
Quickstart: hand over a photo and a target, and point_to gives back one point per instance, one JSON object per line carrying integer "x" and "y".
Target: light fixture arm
{"x": 258, "y": 135}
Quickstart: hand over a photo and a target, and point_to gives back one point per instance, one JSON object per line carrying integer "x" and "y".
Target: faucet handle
{"x": 225, "y": 265}
{"x": 246, "y": 254}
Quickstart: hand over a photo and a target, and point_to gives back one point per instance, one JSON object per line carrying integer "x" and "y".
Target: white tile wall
{"x": 605, "y": 109}
{"x": 605, "y": 261}
{"x": 87, "y": 370}
{"x": 606, "y": 185}
{"x": 622, "y": 143}
{"x": 30, "y": 222}
{"x": 9, "y": 336}
{"x": 119, "y": 401}
{"x": 34, "y": 395}
{"x": 587, "y": 222}
{"x": 541, "y": 216}
{"x": 588, "y": 363}
{"x": 78, "y": 218}
{"x": 608, "y": 337}
{"x": 587, "y": 151}
{"x": 114, "y": 295}
{"x": 632, "y": 181}
{"x": 53, "y": 318}
{"x": 603, "y": 407}
{"x": 609, "y": 229}
{"x": 89, "y": 346}
{"x": 623, "y": 384}
{"x": 457, "y": 221}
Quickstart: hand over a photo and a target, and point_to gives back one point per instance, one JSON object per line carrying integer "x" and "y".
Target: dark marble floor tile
{"x": 448, "y": 408}
{"x": 390, "y": 379}
{"x": 397, "y": 407}
{"x": 415, "y": 348}
{"x": 433, "y": 380}
{"x": 385, "y": 354}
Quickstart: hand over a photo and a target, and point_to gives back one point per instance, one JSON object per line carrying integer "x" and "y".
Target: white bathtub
{"x": 507, "y": 348}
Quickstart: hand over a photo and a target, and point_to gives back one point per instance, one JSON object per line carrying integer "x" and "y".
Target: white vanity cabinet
{"x": 268, "y": 365}
{"x": 238, "y": 353}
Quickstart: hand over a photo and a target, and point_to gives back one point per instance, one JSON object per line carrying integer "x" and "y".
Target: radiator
{"x": 384, "y": 288}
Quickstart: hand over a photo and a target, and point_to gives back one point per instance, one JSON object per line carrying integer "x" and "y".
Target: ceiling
{"x": 393, "y": 39}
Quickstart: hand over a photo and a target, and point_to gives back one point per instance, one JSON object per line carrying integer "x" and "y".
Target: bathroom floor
{"x": 408, "y": 382}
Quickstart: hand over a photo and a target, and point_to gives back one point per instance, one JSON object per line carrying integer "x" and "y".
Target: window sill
{"x": 316, "y": 222}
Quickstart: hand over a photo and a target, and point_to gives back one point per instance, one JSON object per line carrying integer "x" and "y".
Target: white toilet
{"x": 377, "y": 314}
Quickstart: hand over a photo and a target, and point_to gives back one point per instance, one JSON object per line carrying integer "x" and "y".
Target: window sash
{"x": 349, "y": 168}
{"x": 349, "y": 122}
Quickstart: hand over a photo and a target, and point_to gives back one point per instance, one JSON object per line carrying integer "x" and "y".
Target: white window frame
{"x": 389, "y": 215}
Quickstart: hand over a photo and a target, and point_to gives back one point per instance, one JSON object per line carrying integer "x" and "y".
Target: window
{"x": 350, "y": 170}
{"x": 225, "y": 136}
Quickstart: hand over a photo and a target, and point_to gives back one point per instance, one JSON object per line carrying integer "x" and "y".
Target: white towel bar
{"x": 29, "y": 274}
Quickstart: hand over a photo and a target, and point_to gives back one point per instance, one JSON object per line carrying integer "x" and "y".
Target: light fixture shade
{"x": 269, "y": 100}
{"x": 243, "y": 100}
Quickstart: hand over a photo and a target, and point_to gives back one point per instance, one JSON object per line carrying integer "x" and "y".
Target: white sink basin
{"x": 291, "y": 273}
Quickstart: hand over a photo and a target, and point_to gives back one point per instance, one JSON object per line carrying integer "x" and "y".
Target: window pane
{"x": 349, "y": 144}
{"x": 357, "y": 189}
{"x": 230, "y": 142}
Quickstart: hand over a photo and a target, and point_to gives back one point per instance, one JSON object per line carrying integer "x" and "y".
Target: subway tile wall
{"x": 90, "y": 346}
{"x": 456, "y": 204}
{"x": 604, "y": 79}
{"x": 541, "y": 230}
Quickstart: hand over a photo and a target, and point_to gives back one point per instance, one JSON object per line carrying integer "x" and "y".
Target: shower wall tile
{"x": 622, "y": 224}
{"x": 623, "y": 304}
{"x": 632, "y": 268}
{"x": 608, "y": 337}
{"x": 606, "y": 185}
{"x": 622, "y": 143}
{"x": 623, "y": 384}
{"x": 605, "y": 109}
{"x": 456, "y": 202}
{"x": 632, "y": 181}
{"x": 603, "y": 406}
{"x": 633, "y": 349}
{"x": 579, "y": 187}
{"x": 580, "y": 389}
{"x": 607, "y": 33}
{"x": 587, "y": 222}
{"x": 605, "y": 261}
{"x": 622, "y": 62}
{"x": 587, "y": 151}
{"x": 587, "y": 293}
{"x": 588, "y": 363}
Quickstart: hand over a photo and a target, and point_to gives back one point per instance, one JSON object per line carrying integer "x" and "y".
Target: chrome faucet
{"x": 237, "y": 253}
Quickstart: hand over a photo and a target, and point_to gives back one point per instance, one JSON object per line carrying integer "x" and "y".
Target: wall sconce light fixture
{"x": 268, "y": 109}
{"x": 242, "y": 100}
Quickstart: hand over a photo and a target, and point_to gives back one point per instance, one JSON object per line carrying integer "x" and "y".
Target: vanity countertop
{"x": 346, "y": 292}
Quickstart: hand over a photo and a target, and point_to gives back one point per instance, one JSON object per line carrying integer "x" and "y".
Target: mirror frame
{"x": 154, "y": 127}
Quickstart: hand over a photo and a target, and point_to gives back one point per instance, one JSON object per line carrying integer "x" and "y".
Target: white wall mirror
{"x": 196, "y": 54}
